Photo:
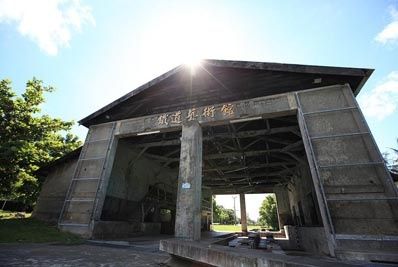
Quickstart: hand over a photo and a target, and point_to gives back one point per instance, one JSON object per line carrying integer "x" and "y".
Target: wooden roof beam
{"x": 252, "y": 166}
{"x": 250, "y": 175}
{"x": 243, "y": 134}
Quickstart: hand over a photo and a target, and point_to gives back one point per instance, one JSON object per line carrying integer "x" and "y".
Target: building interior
{"x": 259, "y": 155}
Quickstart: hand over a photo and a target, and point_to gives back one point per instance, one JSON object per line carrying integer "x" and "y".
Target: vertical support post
{"x": 243, "y": 217}
{"x": 234, "y": 198}
{"x": 212, "y": 213}
{"x": 189, "y": 193}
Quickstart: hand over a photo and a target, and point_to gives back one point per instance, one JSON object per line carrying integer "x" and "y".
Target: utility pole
{"x": 234, "y": 197}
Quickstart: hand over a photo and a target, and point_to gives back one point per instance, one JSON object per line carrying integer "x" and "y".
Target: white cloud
{"x": 49, "y": 23}
{"x": 382, "y": 101}
{"x": 390, "y": 33}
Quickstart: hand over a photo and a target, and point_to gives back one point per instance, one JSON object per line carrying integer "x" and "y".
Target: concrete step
{"x": 354, "y": 178}
{"x": 365, "y": 226}
{"x": 364, "y": 216}
{"x": 367, "y": 242}
{"x": 350, "y": 150}
{"x": 79, "y": 229}
{"x": 336, "y": 122}
{"x": 387, "y": 257}
{"x": 367, "y": 216}
{"x": 371, "y": 190}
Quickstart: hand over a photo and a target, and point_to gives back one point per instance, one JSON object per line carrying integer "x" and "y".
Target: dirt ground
{"x": 78, "y": 255}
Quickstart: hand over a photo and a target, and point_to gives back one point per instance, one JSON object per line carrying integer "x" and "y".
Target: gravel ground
{"x": 78, "y": 255}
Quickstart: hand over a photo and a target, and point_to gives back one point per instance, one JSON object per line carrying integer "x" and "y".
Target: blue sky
{"x": 95, "y": 51}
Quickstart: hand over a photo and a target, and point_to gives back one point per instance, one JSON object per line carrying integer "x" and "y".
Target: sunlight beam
{"x": 192, "y": 63}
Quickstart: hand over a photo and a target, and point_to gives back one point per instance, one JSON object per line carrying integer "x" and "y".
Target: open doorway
{"x": 267, "y": 156}
{"x": 228, "y": 214}
{"x": 142, "y": 189}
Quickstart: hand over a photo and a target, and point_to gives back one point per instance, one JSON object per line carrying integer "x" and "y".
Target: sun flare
{"x": 193, "y": 64}
{"x": 187, "y": 38}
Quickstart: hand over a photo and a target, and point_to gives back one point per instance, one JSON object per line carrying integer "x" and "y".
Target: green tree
{"x": 250, "y": 221}
{"x": 393, "y": 164}
{"x": 28, "y": 139}
{"x": 227, "y": 216}
{"x": 269, "y": 213}
{"x": 216, "y": 211}
{"x": 391, "y": 160}
{"x": 221, "y": 214}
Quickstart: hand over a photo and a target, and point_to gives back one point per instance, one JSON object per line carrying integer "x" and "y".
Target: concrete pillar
{"x": 282, "y": 201}
{"x": 189, "y": 193}
{"x": 212, "y": 213}
{"x": 243, "y": 217}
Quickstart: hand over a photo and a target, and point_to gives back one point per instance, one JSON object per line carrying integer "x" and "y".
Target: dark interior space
{"x": 143, "y": 182}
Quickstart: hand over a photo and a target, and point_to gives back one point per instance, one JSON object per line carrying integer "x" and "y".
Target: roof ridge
{"x": 251, "y": 65}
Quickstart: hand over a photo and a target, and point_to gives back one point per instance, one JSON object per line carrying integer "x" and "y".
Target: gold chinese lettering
{"x": 192, "y": 114}
{"x": 162, "y": 119}
{"x": 209, "y": 112}
{"x": 175, "y": 117}
{"x": 227, "y": 109}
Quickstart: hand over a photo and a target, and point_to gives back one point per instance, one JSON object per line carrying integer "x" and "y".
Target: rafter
{"x": 232, "y": 184}
{"x": 232, "y": 155}
{"x": 293, "y": 146}
{"x": 250, "y": 175}
{"x": 242, "y": 134}
{"x": 252, "y": 166}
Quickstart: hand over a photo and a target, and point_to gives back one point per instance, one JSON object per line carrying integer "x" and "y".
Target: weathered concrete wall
{"x": 301, "y": 193}
{"x": 356, "y": 195}
{"x": 312, "y": 239}
{"x": 130, "y": 178}
{"x": 283, "y": 206}
{"x": 116, "y": 229}
{"x": 309, "y": 235}
{"x": 53, "y": 192}
{"x": 272, "y": 106}
{"x": 129, "y": 182}
{"x": 85, "y": 199}
{"x": 354, "y": 171}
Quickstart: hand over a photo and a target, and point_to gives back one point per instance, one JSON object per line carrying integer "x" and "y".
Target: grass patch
{"x": 13, "y": 215}
{"x": 232, "y": 228}
{"x": 29, "y": 230}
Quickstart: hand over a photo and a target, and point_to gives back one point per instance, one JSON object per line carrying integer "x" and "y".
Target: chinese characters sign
{"x": 195, "y": 113}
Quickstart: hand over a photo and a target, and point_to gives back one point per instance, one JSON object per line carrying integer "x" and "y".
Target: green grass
{"x": 232, "y": 228}
{"x": 29, "y": 230}
{"x": 12, "y": 215}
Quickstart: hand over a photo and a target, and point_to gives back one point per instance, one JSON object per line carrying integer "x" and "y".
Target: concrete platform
{"x": 146, "y": 243}
{"x": 217, "y": 255}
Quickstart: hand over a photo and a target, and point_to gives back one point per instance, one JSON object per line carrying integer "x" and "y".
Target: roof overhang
{"x": 244, "y": 79}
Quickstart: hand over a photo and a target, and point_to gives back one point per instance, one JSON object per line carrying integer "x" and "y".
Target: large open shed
{"x": 153, "y": 159}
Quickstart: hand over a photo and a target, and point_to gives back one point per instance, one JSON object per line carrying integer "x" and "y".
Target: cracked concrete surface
{"x": 77, "y": 255}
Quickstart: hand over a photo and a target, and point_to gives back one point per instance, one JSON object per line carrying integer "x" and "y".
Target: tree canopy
{"x": 269, "y": 213}
{"x": 28, "y": 139}
{"x": 222, "y": 215}
{"x": 393, "y": 164}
